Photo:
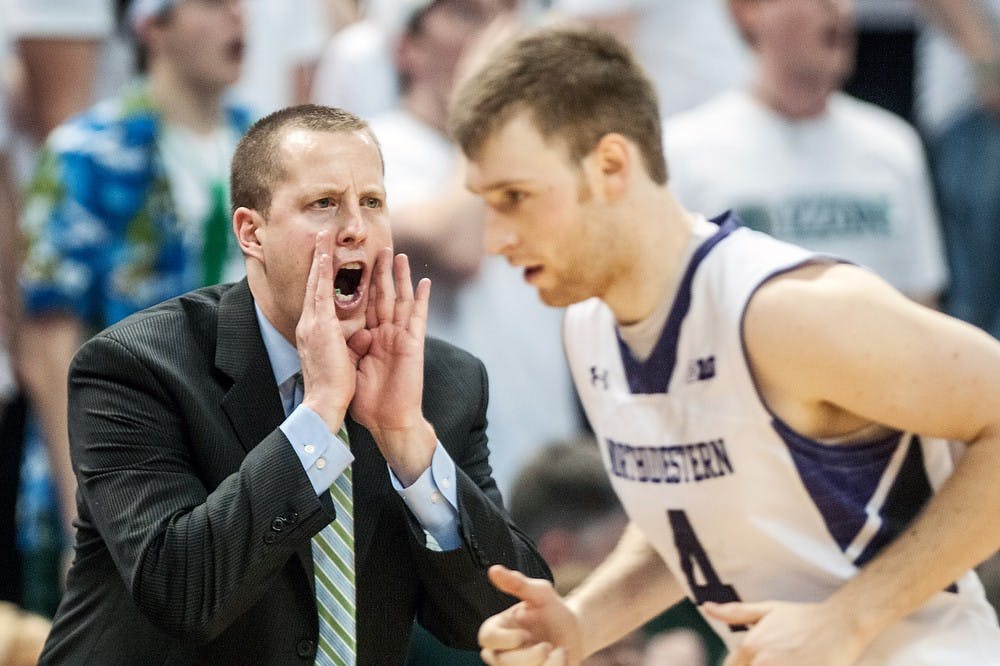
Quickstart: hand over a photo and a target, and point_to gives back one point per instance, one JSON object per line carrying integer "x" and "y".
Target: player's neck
{"x": 661, "y": 234}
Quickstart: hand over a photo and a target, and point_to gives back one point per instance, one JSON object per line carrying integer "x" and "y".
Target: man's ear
{"x": 609, "y": 165}
{"x": 248, "y": 226}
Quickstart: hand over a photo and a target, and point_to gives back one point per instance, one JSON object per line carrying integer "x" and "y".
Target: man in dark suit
{"x": 204, "y": 464}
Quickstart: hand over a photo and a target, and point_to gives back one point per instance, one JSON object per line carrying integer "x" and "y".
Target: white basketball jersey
{"x": 740, "y": 506}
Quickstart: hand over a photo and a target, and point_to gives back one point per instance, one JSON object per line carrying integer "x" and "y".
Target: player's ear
{"x": 248, "y": 225}
{"x": 609, "y": 165}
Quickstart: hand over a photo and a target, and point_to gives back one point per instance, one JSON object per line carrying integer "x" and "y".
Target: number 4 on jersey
{"x": 707, "y": 586}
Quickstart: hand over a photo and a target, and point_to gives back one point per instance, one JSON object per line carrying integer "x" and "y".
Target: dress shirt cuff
{"x": 433, "y": 499}
{"x": 323, "y": 455}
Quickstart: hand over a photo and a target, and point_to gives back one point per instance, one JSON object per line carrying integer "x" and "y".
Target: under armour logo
{"x": 596, "y": 377}
{"x": 701, "y": 369}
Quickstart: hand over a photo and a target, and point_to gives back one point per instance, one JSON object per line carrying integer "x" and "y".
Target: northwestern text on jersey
{"x": 679, "y": 463}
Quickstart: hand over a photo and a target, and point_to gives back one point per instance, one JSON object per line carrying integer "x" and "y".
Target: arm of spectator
{"x": 442, "y": 232}
{"x": 47, "y": 345}
{"x": 60, "y": 44}
{"x": 59, "y": 74}
{"x": 971, "y": 27}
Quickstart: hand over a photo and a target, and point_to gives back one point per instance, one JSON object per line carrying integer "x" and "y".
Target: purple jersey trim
{"x": 653, "y": 374}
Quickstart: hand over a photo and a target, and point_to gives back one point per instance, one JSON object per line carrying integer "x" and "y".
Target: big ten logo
{"x": 701, "y": 369}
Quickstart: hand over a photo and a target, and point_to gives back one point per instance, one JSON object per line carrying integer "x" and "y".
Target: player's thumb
{"x": 516, "y": 584}
{"x": 736, "y": 612}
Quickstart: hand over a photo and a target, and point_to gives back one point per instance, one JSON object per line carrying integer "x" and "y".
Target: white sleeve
{"x": 929, "y": 273}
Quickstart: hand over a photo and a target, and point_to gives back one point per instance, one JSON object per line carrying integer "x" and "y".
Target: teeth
{"x": 343, "y": 298}
{"x": 356, "y": 265}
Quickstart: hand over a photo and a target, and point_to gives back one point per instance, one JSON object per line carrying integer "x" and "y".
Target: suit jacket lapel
{"x": 252, "y": 402}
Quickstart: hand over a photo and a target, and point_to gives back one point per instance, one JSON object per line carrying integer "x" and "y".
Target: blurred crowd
{"x": 867, "y": 129}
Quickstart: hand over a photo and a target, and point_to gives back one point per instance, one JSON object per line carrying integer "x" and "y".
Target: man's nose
{"x": 353, "y": 229}
{"x": 498, "y": 234}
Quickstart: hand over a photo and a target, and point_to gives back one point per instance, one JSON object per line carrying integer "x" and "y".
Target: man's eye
{"x": 325, "y": 202}
{"x": 371, "y": 202}
{"x": 513, "y": 197}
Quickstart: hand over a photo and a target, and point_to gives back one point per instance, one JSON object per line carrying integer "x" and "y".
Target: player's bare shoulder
{"x": 802, "y": 326}
{"x": 805, "y": 305}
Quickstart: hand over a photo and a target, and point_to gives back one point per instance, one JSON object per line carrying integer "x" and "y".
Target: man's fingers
{"x": 515, "y": 583}
{"x": 736, "y": 612}
{"x": 404, "y": 291}
{"x": 359, "y": 344}
{"x": 740, "y": 657}
{"x": 734, "y": 659}
{"x": 499, "y": 633}
{"x": 418, "y": 321}
{"x": 371, "y": 317}
{"x": 309, "y": 303}
{"x": 557, "y": 657}
{"x": 323, "y": 294}
{"x": 532, "y": 655}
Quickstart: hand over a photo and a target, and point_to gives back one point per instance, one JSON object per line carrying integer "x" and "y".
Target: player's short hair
{"x": 578, "y": 85}
{"x": 256, "y": 166}
{"x": 563, "y": 486}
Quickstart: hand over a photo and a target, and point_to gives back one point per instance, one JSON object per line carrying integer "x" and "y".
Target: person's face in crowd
{"x": 432, "y": 52}
{"x": 543, "y": 215}
{"x": 332, "y": 180}
{"x": 807, "y": 41}
{"x": 204, "y": 41}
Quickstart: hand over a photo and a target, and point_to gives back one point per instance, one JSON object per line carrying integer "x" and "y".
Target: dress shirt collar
{"x": 284, "y": 358}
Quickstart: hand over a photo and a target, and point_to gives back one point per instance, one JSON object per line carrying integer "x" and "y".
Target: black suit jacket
{"x": 195, "y": 515}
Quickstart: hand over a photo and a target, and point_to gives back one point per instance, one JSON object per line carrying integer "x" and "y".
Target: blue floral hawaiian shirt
{"x": 103, "y": 236}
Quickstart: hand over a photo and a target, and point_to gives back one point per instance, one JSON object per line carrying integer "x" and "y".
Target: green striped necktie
{"x": 333, "y": 565}
{"x": 333, "y": 569}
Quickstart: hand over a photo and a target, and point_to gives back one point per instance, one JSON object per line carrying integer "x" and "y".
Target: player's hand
{"x": 789, "y": 634}
{"x": 539, "y": 630}
{"x": 328, "y": 366}
{"x": 390, "y": 375}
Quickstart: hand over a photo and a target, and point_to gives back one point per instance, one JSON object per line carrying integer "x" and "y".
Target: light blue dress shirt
{"x": 432, "y": 498}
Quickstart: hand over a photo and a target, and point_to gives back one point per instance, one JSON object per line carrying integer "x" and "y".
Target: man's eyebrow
{"x": 495, "y": 185}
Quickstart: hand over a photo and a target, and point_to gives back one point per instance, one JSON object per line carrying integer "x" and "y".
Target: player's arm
{"x": 835, "y": 342}
{"x": 634, "y": 581}
{"x": 629, "y": 588}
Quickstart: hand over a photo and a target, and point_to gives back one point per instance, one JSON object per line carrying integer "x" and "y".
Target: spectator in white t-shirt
{"x": 806, "y": 163}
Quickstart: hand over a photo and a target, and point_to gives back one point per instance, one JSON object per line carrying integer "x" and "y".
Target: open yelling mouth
{"x": 347, "y": 290}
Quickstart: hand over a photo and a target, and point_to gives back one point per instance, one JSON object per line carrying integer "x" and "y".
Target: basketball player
{"x": 757, "y": 405}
